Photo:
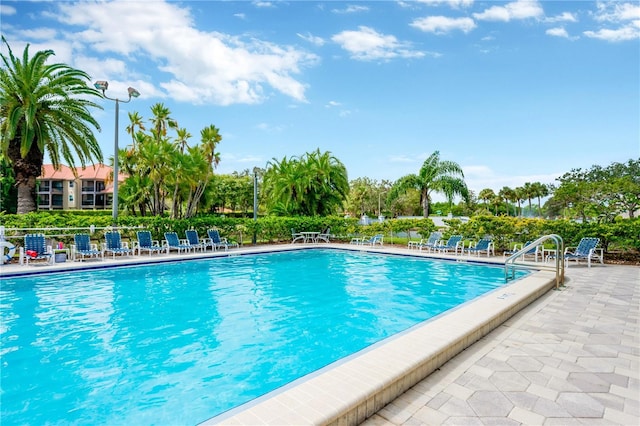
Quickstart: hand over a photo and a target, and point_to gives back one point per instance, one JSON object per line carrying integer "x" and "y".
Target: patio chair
{"x": 586, "y": 250}
{"x": 219, "y": 241}
{"x": 83, "y": 247}
{"x": 324, "y": 235}
{"x": 454, "y": 243}
{"x": 432, "y": 242}
{"x": 369, "y": 241}
{"x": 147, "y": 243}
{"x": 483, "y": 245}
{"x": 195, "y": 242}
{"x": 533, "y": 251}
{"x": 172, "y": 242}
{"x": 114, "y": 244}
{"x": 296, "y": 236}
{"x": 35, "y": 248}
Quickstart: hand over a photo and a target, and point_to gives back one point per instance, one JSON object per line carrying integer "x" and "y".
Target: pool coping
{"x": 350, "y": 390}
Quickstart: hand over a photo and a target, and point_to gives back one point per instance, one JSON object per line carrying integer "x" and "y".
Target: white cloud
{"x": 332, "y": 104}
{"x": 453, "y": 3}
{"x": 563, "y": 17}
{"x": 520, "y": 9}
{"x": 351, "y": 9}
{"x": 366, "y": 44}
{"x": 5, "y": 9}
{"x": 557, "y": 32}
{"x": 625, "y": 17}
{"x": 620, "y": 34}
{"x": 318, "y": 41}
{"x": 222, "y": 69}
{"x": 443, "y": 24}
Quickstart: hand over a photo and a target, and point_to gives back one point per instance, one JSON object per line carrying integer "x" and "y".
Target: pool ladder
{"x": 511, "y": 263}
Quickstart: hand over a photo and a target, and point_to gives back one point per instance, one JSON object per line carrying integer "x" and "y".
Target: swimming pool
{"x": 182, "y": 342}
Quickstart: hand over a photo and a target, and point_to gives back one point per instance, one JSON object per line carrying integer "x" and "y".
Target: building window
{"x": 56, "y": 185}
{"x": 43, "y": 200}
{"x": 87, "y": 200}
{"x": 44, "y": 186}
{"x": 56, "y": 200}
{"x": 87, "y": 186}
{"x": 71, "y": 198}
{"x": 70, "y": 184}
{"x": 99, "y": 186}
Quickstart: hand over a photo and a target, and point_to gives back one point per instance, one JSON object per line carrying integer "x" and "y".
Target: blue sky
{"x": 514, "y": 92}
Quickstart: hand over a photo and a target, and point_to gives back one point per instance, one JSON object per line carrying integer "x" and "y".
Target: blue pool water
{"x": 179, "y": 343}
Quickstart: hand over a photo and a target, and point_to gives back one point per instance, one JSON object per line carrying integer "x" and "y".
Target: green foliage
{"x": 621, "y": 235}
{"x": 315, "y": 184}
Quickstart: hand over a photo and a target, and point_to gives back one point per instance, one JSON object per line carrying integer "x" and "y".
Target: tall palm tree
{"x": 44, "y": 107}
{"x": 135, "y": 120}
{"x": 528, "y": 192}
{"x": 508, "y": 194}
{"x": 206, "y": 159}
{"x": 539, "y": 190}
{"x": 486, "y": 195}
{"x": 435, "y": 175}
{"x": 162, "y": 120}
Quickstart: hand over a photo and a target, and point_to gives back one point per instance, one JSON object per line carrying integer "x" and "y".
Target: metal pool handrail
{"x": 511, "y": 264}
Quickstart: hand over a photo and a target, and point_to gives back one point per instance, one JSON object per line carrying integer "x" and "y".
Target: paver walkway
{"x": 571, "y": 358}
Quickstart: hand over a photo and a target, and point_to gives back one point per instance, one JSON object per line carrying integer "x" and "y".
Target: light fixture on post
{"x": 133, "y": 93}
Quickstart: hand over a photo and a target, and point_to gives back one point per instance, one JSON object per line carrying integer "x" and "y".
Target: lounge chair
{"x": 369, "y": 241}
{"x": 483, "y": 245}
{"x": 324, "y": 235}
{"x": 586, "y": 250}
{"x": 432, "y": 242}
{"x": 296, "y": 236}
{"x": 146, "y": 243}
{"x": 195, "y": 242}
{"x": 534, "y": 251}
{"x": 82, "y": 248}
{"x": 114, "y": 244}
{"x": 35, "y": 248}
{"x": 454, "y": 244}
{"x": 218, "y": 241}
{"x": 172, "y": 242}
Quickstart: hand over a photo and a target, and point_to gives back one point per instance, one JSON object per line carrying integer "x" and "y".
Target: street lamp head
{"x": 101, "y": 85}
{"x": 133, "y": 93}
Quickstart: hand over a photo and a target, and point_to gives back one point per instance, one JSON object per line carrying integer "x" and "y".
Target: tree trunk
{"x": 26, "y": 170}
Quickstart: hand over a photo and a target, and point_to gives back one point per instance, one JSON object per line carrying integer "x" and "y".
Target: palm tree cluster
{"x": 162, "y": 168}
{"x": 44, "y": 108}
{"x": 527, "y": 192}
{"x": 311, "y": 185}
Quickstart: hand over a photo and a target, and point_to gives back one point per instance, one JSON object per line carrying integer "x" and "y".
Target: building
{"x": 92, "y": 189}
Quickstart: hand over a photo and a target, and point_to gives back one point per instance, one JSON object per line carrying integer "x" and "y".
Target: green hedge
{"x": 623, "y": 234}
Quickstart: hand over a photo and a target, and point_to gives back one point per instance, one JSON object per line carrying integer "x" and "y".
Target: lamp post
{"x": 133, "y": 93}
{"x": 255, "y": 203}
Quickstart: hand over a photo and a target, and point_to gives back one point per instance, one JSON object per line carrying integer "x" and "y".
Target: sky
{"x": 514, "y": 92}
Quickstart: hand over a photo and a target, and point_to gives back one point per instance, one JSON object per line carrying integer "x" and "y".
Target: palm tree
{"x": 434, "y": 175}
{"x": 205, "y": 159}
{"x": 539, "y": 190}
{"x": 528, "y": 193}
{"x": 508, "y": 194}
{"x": 44, "y": 107}
{"x": 161, "y": 120}
{"x": 486, "y": 195}
{"x": 135, "y": 120}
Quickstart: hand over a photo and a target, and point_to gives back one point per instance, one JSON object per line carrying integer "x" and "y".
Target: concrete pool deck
{"x": 569, "y": 357}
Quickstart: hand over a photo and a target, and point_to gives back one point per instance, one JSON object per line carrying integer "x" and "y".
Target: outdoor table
{"x": 310, "y": 236}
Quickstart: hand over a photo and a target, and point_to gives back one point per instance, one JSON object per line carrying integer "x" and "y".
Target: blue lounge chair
{"x": 432, "y": 242}
{"x": 218, "y": 241}
{"x": 82, "y": 248}
{"x": 146, "y": 243}
{"x": 195, "y": 242}
{"x": 377, "y": 239}
{"x": 35, "y": 248}
{"x": 483, "y": 245}
{"x": 172, "y": 242}
{"x": 533, "y": 251}
{"x": 586, "y": 250}
{"x": 115, "y": 245}
{"x": 454, "y": 244}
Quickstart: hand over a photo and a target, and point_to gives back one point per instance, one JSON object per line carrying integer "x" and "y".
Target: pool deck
{"x": 522, "y": 354}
